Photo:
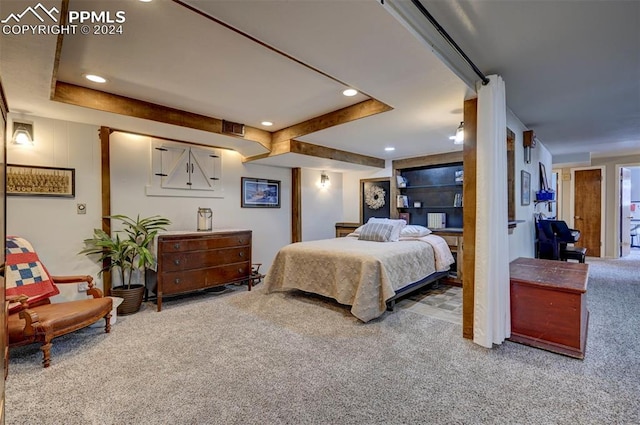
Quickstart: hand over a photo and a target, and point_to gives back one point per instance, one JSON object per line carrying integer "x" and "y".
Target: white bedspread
{"x": 361, "y": 274}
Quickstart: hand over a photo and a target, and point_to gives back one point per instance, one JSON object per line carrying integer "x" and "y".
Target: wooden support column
{"x": 296, "y": 205}
{"x": 469, "y": 215}
{"x": 105, "y": 132}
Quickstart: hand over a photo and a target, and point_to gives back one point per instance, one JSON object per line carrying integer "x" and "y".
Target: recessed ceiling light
{"x": 95, "y": 78}
{"x": 146, "y": 1}
{"x": 350, "y": 92}
{"x": 267, "y": 123}
{"x": 389, "y": 149}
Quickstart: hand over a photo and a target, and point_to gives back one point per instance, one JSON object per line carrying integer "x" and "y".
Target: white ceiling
{"x": 572, "y": 70}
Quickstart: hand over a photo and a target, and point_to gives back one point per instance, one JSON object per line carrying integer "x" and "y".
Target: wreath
{"x": 374, "y": 197}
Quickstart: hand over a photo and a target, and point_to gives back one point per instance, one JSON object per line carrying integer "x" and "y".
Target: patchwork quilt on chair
{"x": 25, "y": 274}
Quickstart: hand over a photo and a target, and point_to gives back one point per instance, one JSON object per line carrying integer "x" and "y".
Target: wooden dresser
{"x": 549, "y": 305}
{"x": 191, "y": 261}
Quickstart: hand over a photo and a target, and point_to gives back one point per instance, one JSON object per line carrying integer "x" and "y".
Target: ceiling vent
{"x": 234, "y": 128}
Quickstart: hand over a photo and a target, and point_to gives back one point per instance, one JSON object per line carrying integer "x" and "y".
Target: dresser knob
{"x": 176, "y": 246}
{"x": 240, "y": 270}
{"x": 177, "y": 281}
{"x": 241, "y": 241}
{"x": 176, "y": 262}
{"x": 241, "y": 254}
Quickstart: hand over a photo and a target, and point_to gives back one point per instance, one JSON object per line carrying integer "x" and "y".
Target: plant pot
{"x": 132, "y": 298}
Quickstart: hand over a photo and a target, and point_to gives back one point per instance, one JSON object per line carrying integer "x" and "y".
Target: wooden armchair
{"x": 45, "y": 321}
{"x": 32, "y": 317}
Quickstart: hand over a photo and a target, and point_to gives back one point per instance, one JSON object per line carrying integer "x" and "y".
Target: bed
{"x": 366, "y": 275}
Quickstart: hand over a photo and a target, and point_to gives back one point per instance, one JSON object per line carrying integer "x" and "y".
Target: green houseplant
{"x": 128, "y": 255}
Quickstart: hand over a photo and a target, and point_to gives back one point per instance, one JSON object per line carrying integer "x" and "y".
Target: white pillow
{"x": 398, "y": 225}
{"x": 377, "y": 232}
{"x": 414, "y": 231}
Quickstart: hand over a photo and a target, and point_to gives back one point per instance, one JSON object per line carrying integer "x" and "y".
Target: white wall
{"x": 522, "y": 240}
{"x": 351, "y": 191}
{"x": 57, "y": 232}
{"x": 321, "y": 206}
{"x": 51, "y": 224}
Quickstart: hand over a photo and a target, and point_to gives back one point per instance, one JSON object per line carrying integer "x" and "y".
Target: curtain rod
{"x": 450, "y": 40}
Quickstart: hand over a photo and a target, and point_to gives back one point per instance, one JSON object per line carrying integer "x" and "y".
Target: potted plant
{"x": 131, "y": 255}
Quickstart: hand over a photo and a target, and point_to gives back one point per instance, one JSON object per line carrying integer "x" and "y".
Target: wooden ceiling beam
{"x": 107, "y": 102}
{"x": 304, "y": 148}
{"x": 363, "y": 109}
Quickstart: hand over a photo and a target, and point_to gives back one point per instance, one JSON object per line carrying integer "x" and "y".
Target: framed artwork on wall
{"x": 525, "y": 188}
{"x": 260, "y": 193}
{"x": 31, "y": 180}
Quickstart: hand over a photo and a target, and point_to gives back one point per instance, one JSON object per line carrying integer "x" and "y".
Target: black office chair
{"x": 635, "y": 232}
{"x": 553, "y": 239}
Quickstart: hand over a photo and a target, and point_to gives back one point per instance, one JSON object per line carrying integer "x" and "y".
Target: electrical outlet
{"x": 81, "y": 208}
{"x": 83, "y": 287}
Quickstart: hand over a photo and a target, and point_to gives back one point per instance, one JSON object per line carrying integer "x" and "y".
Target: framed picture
{"x": 525, "y": 188}
{"x": 260, "y": 193}
{"x": 31, "y": 180}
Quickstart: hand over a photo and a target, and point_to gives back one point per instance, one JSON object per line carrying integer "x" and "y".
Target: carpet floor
{"x": 251, "y": 358}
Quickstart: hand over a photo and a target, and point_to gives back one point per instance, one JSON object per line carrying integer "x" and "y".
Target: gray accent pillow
{"x": 376, "y": 232}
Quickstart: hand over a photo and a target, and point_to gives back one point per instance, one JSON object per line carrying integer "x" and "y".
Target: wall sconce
{"x": 459, "y": 137}
{"x": 529, "y": 142}
{"x": 324, "y": 180}
{"x": 22, "y": 133}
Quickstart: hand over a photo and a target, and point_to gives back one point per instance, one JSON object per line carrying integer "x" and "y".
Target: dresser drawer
{"x": 183, "y": 244}
{"x": 185, "y": 281}
{"x": 179, "y": 261}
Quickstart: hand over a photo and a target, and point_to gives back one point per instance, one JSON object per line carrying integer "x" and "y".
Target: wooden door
{"x": 625, "y": 212}
{"x": 587, "y": 210}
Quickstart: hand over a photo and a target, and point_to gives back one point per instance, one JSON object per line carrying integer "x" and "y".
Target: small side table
{"x": 343, "y": 229}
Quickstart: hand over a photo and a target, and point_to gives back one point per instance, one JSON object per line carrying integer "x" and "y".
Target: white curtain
{"x": 491, "y": 314}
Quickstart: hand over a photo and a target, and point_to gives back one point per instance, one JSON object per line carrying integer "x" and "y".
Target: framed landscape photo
{"x": 525, "y": 188}
{"x": 32, "y": 180}
{"x": 260, "y": 193}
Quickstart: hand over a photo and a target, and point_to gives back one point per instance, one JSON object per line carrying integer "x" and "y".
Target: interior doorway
{"x": 587, "y": 207}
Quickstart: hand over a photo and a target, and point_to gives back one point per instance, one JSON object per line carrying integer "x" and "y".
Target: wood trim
{"x": 363, "y": 109}
{"x": 309, "y": 149}
{"x": 296, "y": 205}
{"x": 304, "y": 148}
{"x": 105, "y": 133}
{"x": 153, "y": 136}
{"x": 469, "y": 215}
{"x": 107, "y": 102}
{"x": 427, "y": 160}
{"x": 64, "y": 13}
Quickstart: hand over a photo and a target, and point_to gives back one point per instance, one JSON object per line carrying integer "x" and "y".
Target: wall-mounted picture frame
{"x": 525, "y": 188}
{"x": 260, "y": 193}
{"x": 33, "y": 180}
